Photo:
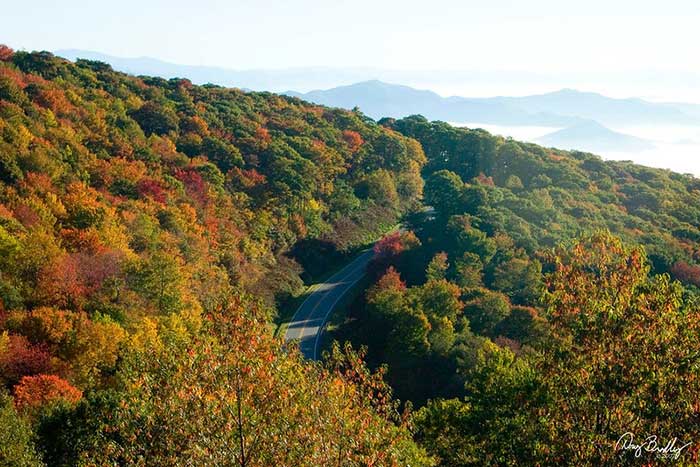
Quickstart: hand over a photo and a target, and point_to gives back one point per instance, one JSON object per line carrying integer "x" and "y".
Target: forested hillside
{"x": 147, "y": 230}
{"x": 533, "y": 312}
{"x": 537, "y": 305}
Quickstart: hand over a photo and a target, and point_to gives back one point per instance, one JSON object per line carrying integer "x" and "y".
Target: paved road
{"x": 308, "y": 321}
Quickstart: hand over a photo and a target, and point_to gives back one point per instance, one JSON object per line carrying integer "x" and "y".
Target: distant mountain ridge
{"x": 594, "y": 106}
{"x": 573, "y": 112}
{"x": 689, "y": 109}
{"x": 591, "y": 136}
{"x": 258, "y": 80}
{"x": 378, "y": 99}
{"x": 561, "y": 108}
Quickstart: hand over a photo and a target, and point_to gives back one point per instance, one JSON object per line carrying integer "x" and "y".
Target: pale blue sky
{"x": 544, "y": 35}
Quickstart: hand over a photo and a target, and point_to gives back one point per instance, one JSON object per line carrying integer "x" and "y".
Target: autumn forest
{"x": 535, "y": 304}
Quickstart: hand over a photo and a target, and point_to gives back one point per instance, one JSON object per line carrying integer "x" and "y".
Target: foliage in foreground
{"x": 137, "y": 218}
{"x": 621, "y": 354}
{"x": 521, "y": 345}
{"x": 228, "y": 394}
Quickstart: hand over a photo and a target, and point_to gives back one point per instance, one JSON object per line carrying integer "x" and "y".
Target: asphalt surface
{"x": 309, "y": 320}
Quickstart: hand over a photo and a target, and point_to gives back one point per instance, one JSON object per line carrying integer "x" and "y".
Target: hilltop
{"x": 593, "y": 137}
{"x": 562, "y": 108}
{"x": 149, "y": 229}
{"x": 152, "y": 230}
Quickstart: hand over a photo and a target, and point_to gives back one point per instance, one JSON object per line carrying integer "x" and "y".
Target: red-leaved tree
{"x": 34, "y": 392}
{"x": 6, "y": 53}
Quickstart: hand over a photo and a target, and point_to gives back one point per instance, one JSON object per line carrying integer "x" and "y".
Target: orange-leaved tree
{"x": 624, "y": 355}
{"x": 34, "y": 392}
{"x": 230, "y": 395}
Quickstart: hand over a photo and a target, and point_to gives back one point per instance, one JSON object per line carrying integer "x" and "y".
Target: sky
{"x": 622, "y": 47}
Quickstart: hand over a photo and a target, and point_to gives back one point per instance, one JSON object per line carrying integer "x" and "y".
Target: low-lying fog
{"x": 675, "y": 147}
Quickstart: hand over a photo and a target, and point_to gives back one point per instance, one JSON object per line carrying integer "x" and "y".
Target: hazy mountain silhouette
{"x": 561, "y": 108}
{"x": 379, "y": 99}
{"x": 259, "y": 80}
{"x": 609, "y": 111}
{"x": 593, "y": 137}
{"x": 692, "y": 110}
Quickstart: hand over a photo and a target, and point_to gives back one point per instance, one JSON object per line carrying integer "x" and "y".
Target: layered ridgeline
{"x": 532, "y": 313}
{"x": 147, "y": 228}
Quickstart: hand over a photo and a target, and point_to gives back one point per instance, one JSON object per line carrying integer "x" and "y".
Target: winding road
{"x": 309, "y": 320}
